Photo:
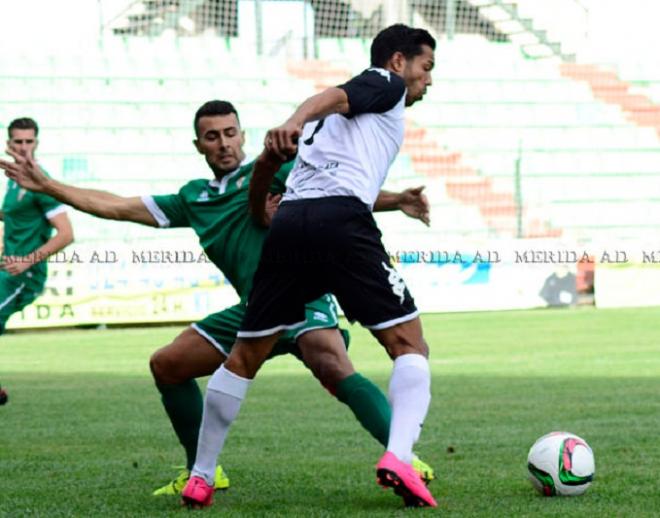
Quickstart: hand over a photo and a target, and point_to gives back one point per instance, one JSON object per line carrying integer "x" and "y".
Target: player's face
{"x": 23, "y": 142}
{"x": 417, "y": 75}
{"x": 221, "y": 140}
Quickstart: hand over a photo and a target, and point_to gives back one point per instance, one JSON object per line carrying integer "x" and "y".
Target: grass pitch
{"x": 84, "y": 433}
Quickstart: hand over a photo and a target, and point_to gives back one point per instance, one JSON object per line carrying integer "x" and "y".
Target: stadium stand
{"x": 575, "y": 132}
{"x": 490, "y": 106}
{"x": 489, "y": 109}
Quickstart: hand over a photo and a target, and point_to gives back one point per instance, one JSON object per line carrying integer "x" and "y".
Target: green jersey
{"x": 27, "y": 228}
{"x": 217, "y": 210}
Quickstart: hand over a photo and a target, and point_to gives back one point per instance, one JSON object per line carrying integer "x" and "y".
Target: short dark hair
{"x": 24, "y": 123}
{"x": 399, "y": 38}
{"x": 212, "y": 108}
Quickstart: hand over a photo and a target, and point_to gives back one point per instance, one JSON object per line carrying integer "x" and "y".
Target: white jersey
{"x": 350, "y": 154}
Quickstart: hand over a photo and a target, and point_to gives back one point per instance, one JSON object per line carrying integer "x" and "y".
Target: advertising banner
{"x": 176, "y": 282}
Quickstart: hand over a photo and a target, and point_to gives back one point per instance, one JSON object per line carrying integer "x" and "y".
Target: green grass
{"x": 84, "y": 433}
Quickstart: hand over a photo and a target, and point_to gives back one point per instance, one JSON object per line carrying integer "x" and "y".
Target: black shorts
{"x": 325, "y": 245}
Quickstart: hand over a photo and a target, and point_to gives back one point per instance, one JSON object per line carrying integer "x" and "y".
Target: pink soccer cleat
{"x": 197, "y": 493}
{"x": 405, "y": 481}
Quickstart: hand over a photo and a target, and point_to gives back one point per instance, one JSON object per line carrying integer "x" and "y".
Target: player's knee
{"x": 324, "y": 353}
{"x": 399, "y": 341}
{"x": 164, "y": 367}
{"x": 329, "y": 368}
{"x": 410, "y": 348}
{"x": 244, "y": 361}
{"x": 399, "y": 348}
{"x": 404, "y": 338}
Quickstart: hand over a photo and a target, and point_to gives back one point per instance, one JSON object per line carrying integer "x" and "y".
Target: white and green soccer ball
{"x": 561, "y": 463}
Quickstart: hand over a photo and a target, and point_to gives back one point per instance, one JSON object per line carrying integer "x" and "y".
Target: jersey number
{"x": 310, "y": 140}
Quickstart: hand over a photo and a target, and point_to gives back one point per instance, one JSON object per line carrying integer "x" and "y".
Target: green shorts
{"x": 220, "y": 328}
{"x": 15, "y": 294}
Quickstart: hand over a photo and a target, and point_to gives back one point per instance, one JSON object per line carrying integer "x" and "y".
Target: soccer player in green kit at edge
{"x": 29, "y": 219}
{"x": 217, "y": 210}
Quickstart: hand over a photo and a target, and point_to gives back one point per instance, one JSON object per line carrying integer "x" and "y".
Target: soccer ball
{"x": 561, "y": 463}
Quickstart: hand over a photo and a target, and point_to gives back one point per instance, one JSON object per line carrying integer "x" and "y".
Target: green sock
{"x": 369, "y": 405}
{"x": 184, "y": 405}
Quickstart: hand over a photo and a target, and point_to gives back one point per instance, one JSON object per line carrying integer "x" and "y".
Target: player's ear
{"x": 242, "y": 138}
{"x": 196, "y": 144}
{"x": 397, "y": 62}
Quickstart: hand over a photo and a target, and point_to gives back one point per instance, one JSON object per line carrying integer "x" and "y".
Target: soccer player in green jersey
{"x": 217, "y": 210}
{"x": 29, "y": 219}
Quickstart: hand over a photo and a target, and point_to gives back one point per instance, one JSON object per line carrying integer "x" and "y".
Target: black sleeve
{"x": 374, "y": 91}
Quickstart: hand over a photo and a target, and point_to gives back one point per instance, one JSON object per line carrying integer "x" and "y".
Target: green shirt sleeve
{"x": 173, "y": 208}
{"x": 279, "y": 181}
{"x": 46, "y": 203}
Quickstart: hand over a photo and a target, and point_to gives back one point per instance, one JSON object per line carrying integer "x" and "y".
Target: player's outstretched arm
{"x": 283, "y": 140}
{"x": 412, "y": 202}
{"x": 27, "y": 173}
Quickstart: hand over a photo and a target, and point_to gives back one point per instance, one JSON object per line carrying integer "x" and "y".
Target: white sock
{"x": 410, "y": 396}
{"x": 224, "y": 394}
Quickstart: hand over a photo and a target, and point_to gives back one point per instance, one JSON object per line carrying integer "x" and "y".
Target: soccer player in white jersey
{"x": 324, "y": 239}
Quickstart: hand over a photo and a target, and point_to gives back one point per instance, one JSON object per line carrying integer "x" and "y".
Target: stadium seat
{"x": 489, "y": 106}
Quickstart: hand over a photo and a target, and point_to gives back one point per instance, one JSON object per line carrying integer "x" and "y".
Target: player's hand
{"x": 272, "y": 204}
{"x": 24, "y": 171}
{"x": 414, "y": 203}
{"x": 283, "y": 140}
{"x": 15, "y": 265}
